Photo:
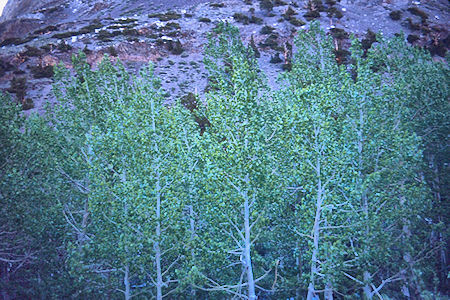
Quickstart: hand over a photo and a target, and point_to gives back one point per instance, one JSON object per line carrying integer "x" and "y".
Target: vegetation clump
{"x": 311, "y": 15}
{"x": 204, "y": 20}
{"x": 174, "y": 33}
{"x": 171, "y": 26}
{"x": 279, "y": 3}
{"x": 168, "y": 16}
{"x": 395, "y": 15}
{"x": 41, "y": 71}
{"x": 48, "y": 47}
{"x": 254, "y": 48}
{"x": 287, "y": 66}
{"x": 91, "y": 27}
{"x": 266, "y": 29}
{"x": 10, "y": 41}
{"x": 368, "y": 40}
{"x": 46, "y": 29}
{"x": 418, "y": 12}
{"x": 438, "y": 46}
{"x": 289, "y": 13}
{"x": 271, "y": 42}
{"x": 296, "y": 22}
{"x": 127, "y": 21}
{"x": 86, "y": 50}
{"x": 119, "y": 26}
{"x": 266, "y": 5}
{"x": 275, "y": 59}
{"x": 5, "y": 66}
{"x": 412, "y": 38}
{"x": 334, "y": 12}
{"x": 17, "y": 41}
{"x": 27, "y": 104}
{"x": 190, "y": 102}
{"x": 175, "y": 47}
{"x": 64, "y": 35}
{"x": 411, "y": 25}
{"x": 255, "y": 20}
{"x": 315, "y": 5}
{"x": 241, "y": 18}
{"x": 105, "y": 35}
{"x": 339, "y": 33}
{"x": 130, "y": 32}
{"x": 217, "y": 5}
{"x": 342, "y": 56}
{"x": 31, "y": 51}
{"x": 18, "y": 86}
{"x": 64, "y": 47}
{"x": 132, "y": 39}
{"x": 111, "y": 50}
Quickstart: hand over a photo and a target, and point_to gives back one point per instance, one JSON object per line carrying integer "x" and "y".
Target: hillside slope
{"x": 36, "y": 35}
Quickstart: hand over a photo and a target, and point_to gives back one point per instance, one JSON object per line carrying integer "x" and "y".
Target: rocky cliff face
{"x": 37, "y": 34}
{"x": 20, "y": 8}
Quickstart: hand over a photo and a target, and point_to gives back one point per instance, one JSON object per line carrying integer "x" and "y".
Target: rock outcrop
{"x": 22, "y": 8}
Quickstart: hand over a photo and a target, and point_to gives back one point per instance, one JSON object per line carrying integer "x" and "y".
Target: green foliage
{"x": 134, "y": 159}
{"x": 238, "y": 157}
{"x": 422, "y": 85}
{"x": 314, "y": 156}
{"x": 32, "y": 228}
{"x": 335, "y": 183}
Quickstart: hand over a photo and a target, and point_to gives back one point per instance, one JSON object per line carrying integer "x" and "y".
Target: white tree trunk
{"x": 247, "y": 251}
{"x": 192, "y": 229}
{"x": 159, "y": 281}
{"x": 367, "y": 290}
{"x": 368, "y": 295}
{"x": 328, "y": 291}
{"x": 126, "y": 283}
{"x": 316, "y": 232}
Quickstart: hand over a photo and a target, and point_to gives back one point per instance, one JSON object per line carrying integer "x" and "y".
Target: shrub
{"x": 40, "y": 71}
{"x": 395, "y": 15}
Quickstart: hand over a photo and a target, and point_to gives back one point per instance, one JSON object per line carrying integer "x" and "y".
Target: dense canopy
{"x": 333, "y": 186}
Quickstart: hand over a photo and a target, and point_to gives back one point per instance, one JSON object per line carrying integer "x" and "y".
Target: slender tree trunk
{"x": 328, "y": 291}
{"x": 436, "y": 183}
{"x": 298, "y": 262}
{"x": 5, "y": 280}
{"x": 247, "y": 253}
{"x": 159, "y": 281}
{"x": 316, "y": 232}
{"x": 126, "y": 282}
{"x": 192, "y": 230}
{"x": 367, "y": 289}
{"x": 126, "y": 276}
{"x": 84, "y": 222}
{"x": 411, "y": 288}
{"x": 443, "y": 259}
{"x": 192, "y": 227}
